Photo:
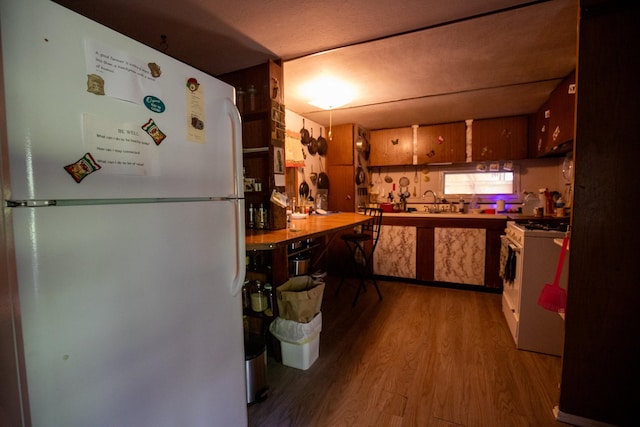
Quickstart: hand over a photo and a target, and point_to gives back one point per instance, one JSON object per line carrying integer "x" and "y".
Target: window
{"x": 480, "y": 183}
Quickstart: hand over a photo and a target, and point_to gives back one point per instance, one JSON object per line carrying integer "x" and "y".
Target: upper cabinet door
{"x": 562, "y": 104}
{"x": 390, "y": 147}
{"x": 340, "y": 145}
{"x": 445, "y": 143}
{"x": 503, "y": 138}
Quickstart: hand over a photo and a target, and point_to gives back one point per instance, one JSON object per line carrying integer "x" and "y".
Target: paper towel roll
{"x": 500, "y": 206}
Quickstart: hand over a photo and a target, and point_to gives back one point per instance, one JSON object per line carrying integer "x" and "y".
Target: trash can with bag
{"x": 299, "y": 342}
{"x": 299, "y": 322}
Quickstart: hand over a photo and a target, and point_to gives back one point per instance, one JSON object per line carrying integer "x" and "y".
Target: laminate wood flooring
{"x": 424, "y": 356}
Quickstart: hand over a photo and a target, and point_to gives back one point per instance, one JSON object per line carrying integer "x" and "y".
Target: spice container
{"x": 258, "y": 298}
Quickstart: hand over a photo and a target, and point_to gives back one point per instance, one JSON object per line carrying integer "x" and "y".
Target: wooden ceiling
{"x": 411, "y": 61}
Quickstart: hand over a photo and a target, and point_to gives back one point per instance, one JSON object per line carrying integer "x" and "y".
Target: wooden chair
{"x": 362, "y": 246}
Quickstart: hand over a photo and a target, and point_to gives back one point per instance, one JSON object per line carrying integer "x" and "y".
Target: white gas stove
{"x": 531, "y": 258}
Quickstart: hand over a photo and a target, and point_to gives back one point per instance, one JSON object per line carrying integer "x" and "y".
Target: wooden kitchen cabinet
{"x": 503, "y": 138}
{"x": 443, "y": 143}
{"x": 435, "y": 254}
{"x": 538, "y": 131}
{"x": 562, "y": 104}
{"x": 395, "y": 254}
{"x": 391, "y": 147}
{"x": 340, "y": 150}
{"x": 342, "y": 161}
{"x": 259, "y": 98}
{"x": 555, "y": 121}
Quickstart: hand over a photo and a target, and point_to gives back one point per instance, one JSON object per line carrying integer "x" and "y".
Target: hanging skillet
{"x": 313, "y": 145}
{"x": 323, "y": 179}
{"x": 322, "y": 144}
{"x": 304, "y": 135}
{"x": 304, "y": 187}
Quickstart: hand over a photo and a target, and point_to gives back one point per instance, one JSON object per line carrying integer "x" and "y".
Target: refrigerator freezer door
{"x": 54, "y": 117}
{"x": 128, "y": 315}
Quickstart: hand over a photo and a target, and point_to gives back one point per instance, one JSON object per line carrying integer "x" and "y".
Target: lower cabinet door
{"x": 459, "y": 255}
{"x": 395, "y": 254}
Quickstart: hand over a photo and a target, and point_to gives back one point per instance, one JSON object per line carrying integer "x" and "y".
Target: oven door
{"x": 512, "y": 283}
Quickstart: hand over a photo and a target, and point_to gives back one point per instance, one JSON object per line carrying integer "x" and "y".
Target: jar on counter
{"x": 258, "y": 297}
{"x": 246, "y": 298}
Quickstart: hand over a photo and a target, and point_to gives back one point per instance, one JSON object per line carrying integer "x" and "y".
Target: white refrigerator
{"x": 122, "y": 231}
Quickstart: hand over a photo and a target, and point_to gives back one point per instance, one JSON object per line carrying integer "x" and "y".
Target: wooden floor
{"x": 424, "y": 356}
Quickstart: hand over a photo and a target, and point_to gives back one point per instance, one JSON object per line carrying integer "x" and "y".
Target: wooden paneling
{"x": 340, "y": 147}
{"x": 503, "y": 138}
{"x": 600, "y": 363}
{"x": 445, "y": 143}
{"x": 342, "y": 188}
{"x": 390, "y": 147}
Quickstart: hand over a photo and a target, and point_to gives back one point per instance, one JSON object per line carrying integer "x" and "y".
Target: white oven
{"x": 529, "y": 261}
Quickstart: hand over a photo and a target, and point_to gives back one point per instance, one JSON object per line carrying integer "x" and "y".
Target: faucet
{"x": 435, "y": 196}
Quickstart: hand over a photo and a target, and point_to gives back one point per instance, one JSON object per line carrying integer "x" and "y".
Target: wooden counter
{"x": 310, "y": 227}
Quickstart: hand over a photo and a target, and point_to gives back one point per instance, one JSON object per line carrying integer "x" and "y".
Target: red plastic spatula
{"x": 553, "y": 297}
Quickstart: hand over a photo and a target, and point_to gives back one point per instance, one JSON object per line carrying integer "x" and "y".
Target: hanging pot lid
{"x": 360, "y": 177}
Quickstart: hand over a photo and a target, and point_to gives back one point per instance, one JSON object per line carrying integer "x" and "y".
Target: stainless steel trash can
{"x": 255, "y": 365}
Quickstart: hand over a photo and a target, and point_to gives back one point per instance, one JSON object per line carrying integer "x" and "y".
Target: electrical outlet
{"x": 572, "y": 89}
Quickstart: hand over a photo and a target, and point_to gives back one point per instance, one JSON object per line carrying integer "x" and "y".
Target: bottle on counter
{"x": 542, "y": 196}
{"x": 252, "y": 97}
{"x": 268, "y": 290}
{"x": 261, "y": 217}
{"x": 246, "y": 298}
{"x": 240, "y": 100}
{"x": 251, "y": 217}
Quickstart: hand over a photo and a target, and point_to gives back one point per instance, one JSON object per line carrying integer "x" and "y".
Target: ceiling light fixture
{"x": 328, "y": 92}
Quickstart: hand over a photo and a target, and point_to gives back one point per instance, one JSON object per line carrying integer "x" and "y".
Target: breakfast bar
{"x": 268, "y": 251}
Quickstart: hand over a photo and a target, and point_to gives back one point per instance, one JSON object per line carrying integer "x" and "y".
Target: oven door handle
{"x": 514, "y": 246}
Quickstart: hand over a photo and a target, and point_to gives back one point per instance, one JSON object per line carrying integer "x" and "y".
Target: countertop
{"x": 299, "y": 229}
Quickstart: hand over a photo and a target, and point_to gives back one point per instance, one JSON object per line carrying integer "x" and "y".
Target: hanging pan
{"x": 304, "y": 135}
{"x": 322, "y": 144}
{"x": 313, "y": 145}
{"x": 304, "y": 187}
{"x": 323, "y": 179}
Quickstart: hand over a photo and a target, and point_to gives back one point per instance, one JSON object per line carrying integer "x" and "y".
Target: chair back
{"x": 373, "y": 227}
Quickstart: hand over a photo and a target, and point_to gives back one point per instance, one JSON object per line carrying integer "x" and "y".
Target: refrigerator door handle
{"x": 238, "y": 281}
{"x": 236, "y": 135}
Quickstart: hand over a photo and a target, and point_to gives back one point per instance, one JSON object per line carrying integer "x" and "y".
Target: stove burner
{"x": 547, "y": 226}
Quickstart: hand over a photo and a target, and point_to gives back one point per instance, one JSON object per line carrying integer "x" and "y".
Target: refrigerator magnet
{"x": 82, "y": 168}
{"x": 154, "y": 131}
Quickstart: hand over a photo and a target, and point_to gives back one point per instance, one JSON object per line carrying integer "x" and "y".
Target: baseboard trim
{"x": 577, "y": 420}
